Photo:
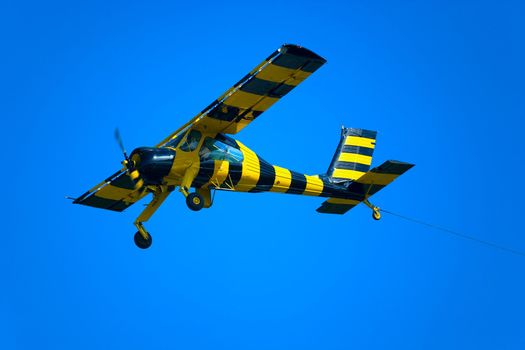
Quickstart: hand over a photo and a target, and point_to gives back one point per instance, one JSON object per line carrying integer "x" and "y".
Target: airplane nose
{"x": 153, "y": 163}
{"x": 135, "y": 158}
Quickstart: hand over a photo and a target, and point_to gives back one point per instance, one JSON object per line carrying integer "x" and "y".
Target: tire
{"x": 141, "y": 242}
{"x": 194, "y": 201}
{"x": 376, "y": 214}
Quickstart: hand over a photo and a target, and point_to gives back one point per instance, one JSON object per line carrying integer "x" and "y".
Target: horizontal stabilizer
{"x": 337, "y": 206}
{"x": 377, "y": 178}
{"x": 365, "y": 186}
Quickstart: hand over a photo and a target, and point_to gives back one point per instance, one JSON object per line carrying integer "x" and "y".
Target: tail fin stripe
{"x": 365, "y": 151}
{"x": 352, "y": 166}
{"x": 356, "y": 158}
{"x": 346, "y": 174}
{"x": 360, "y": 141}
{"x": 370, "y": 134}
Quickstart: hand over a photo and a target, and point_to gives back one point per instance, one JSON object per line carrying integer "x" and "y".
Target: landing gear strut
{"x": 142, "y": 238}
{"x": 201, "y": 197}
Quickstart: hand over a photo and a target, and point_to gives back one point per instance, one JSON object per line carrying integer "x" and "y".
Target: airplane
{"x": 201, "y": 155}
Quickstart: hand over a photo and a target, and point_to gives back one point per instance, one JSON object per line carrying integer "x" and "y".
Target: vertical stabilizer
{"x": 353, "y": 156}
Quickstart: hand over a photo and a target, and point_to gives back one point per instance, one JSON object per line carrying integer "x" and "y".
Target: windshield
{"x": 191, "y": 142}
{"x": 175, "y": 142}
{"x": 216, "y": 150}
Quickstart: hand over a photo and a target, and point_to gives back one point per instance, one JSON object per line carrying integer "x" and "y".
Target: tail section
{"x": 353, "y": 156}
{"x": 350, "y": 169}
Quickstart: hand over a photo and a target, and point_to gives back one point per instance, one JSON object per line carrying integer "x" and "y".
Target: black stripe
{"x": 281, "y": 90}
{"x": 235, "y": 173}
{"x": 331, "y": 208}
{"x": 332, "y": 190}
{"x": 298, "y": 183}
{"x": 312, "y": 66}
{"x": 255, "y": 114}
{"x": 338, "y": 191}
{"x": 290, "y": 61}
{"x": 392, "y": 167}
{"x": 364, "y": 189}
{"x": 266, "y": 88}
{"x": 365, "y": 151}
{"x": 242, "y": 115}
{"x": 301, "y": 51}
{"x": 266, "y": 178}
{"x": 205, "y": 173}
{"x": 224, "y": 112}
{"x": 369, "y": 134}
{"x": 123, "y": 181}
{"x": 305, "y": 63}
{"x": 104, "y": 203}
{"x": 351, "y": 166}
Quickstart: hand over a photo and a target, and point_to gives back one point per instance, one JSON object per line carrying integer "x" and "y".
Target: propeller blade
{"x": 132, "y": 171}
{"x": 120, "y": 143}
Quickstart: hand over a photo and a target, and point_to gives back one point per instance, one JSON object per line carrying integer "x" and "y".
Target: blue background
{"x": 442, "y": 82}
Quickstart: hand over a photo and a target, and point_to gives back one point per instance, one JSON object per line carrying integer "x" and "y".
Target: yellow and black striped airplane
{"x": 200, "y": 155}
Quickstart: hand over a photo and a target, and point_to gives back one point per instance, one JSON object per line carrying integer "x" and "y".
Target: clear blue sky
{"x": 442, "y": 83}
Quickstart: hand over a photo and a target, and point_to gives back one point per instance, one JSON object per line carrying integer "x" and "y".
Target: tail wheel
{"x": 194, "y": 201}
{"x": 376, "y": 214}
{"x": 141, "y": 242}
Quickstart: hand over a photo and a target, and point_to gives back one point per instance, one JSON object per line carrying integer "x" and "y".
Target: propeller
{"x": 128, "y": 163}
{"x": 121, "y": 145}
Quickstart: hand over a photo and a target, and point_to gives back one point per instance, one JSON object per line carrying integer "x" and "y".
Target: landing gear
{"x": 142, "y": 238}
{"x": 194, "y": 201}
{"x": 376, "y": 212}
{"x": 141, "y": 242}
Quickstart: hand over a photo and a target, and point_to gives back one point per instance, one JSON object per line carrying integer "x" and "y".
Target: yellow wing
{"x": 116, "y": 193}
{"x": 256, "y": 92}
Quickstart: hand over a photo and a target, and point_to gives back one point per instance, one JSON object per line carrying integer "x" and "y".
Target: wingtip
{"x": 301, "y": 51}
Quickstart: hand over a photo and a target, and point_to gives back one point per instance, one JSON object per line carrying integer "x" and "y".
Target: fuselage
{"x": 220, "y": 162}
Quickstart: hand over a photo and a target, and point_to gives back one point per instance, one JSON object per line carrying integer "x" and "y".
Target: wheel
{"x": 141, "y": 242}
{"x": 195, "y": 201}
{"x": 376, "y": 214}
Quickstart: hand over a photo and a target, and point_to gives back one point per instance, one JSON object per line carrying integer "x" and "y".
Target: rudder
{"x": 353, "y": 155}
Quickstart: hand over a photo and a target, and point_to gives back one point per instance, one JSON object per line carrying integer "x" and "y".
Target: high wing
{"x": 256, "y": 92}
{"x": 115, "y": 193}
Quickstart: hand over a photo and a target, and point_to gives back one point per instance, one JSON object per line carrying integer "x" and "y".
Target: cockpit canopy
{"x": 221, "y": 147}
